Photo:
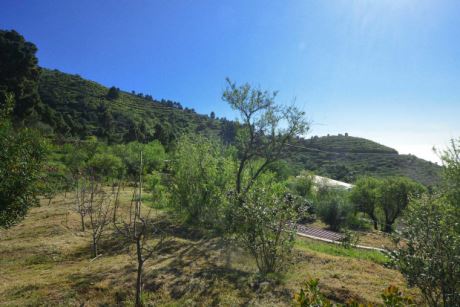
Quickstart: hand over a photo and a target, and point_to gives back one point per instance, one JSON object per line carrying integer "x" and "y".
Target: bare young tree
{"x": 137, "y": 228}
{"x": 81, "y": 200}
{"x": 99, "y": 210}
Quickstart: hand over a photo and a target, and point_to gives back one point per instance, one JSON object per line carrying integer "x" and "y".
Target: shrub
{"x": 201, "y": 176}
{"x": 428, "y": 256}
{"x": 334, "y": 209}
{"x": 264, "y": 223}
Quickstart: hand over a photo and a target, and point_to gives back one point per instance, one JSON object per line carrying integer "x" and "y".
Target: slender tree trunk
{"x": 376, "y": 227}
{"x": 82, "y": 222}
{"x": 94, "y": 247}
{"x": 49, "y": 201}
{"x": 388, "y": 228}
{"x": 139, "y": 273}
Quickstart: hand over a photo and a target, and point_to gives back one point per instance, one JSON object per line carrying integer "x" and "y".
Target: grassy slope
{"x": 45, "y": 261}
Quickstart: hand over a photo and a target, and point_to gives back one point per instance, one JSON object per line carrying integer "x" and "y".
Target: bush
{"x": 428, "y": 256}
{"x": 21, "y": 156}
{"x": 264, "y": 223}
{"x": 202, "y": 174}
{"x": 334, "y": 209}
{"x": 310, "y": 296}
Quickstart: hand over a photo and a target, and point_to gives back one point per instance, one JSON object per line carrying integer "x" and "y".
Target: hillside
{"x": 75, "y": 107}
{"x": 345, "y": 158}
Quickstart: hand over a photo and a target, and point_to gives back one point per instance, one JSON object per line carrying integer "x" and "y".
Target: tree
{"x": 365, "y": 197}
{"x": 266, "y": 129}
{"x": 201, "y": 176}
{"x": 429, "y": 248}
{"x": 213, "y": 115}
{"x": 19, "y": 72}
{"x": 22, "y": 153}
{"x": 451, "y": 171}
{"x": 265, "y": 223}
{"x": 302, "y": 185}
{"x": 105, "y": 165}
{"x": 136, "y": 227}
{"x": 334, "y": 209}
{"x": 113, "y": 93}
{"x": 99, "y": 211}
{"x": 394, "y": 196}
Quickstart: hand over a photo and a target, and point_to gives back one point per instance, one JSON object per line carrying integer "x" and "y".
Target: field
{"x": 45, "y": 260}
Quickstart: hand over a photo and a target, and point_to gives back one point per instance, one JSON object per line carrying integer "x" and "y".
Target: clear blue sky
{"x": 388, "y": 70}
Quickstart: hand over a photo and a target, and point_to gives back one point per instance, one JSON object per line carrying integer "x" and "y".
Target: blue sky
{"x": 387, "y": 70}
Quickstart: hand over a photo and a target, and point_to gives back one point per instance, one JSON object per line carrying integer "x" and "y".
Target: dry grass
{"x": 45, "y": 260}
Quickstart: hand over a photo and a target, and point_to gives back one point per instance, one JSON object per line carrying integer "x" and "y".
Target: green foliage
{"x": 348, "y": 158}
{"x": 429, "y": 251}
{"x": 55, "y": 179}
{"x": 21, "y": 156}
{"x": 302, "y": 185}
{"x": 105, "y": 165}
{"x": 265, "y": 130}
{"x": 113, "y": 93}
{"x": 310, "y": 296}
{"x": 394, "y": 196}
{"x": 334, "y": 209}
{"x": 19, "y": 72}
{"x": 75, "y": 107}
{"x": 349, "y": 239}
{"x": 339, "y": 250}
{"x": 202, "y": 173}
{"x": 451, "y": 172}
{"x": 393, "y": 297}
{"x": 365, "y": 197}
{"x": 154, "y": 157}
{"x": 388, "y": 196}
{"x": 264, "y": 223}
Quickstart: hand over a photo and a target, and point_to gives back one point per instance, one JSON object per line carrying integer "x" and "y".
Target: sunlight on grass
{"x": 337, "y": 250}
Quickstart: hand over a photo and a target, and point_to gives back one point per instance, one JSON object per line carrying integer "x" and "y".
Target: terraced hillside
{"x": 346, "y": 158}
{"x": 75, "y": 107}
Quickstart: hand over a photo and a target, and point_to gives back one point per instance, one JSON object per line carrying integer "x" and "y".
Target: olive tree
{"x": 264, "y": 132}
{"x": 394, "y": 196}
{"x": 365, "y": 197}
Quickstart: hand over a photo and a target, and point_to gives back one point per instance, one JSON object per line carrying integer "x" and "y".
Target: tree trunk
{"x": 49, "y": 201}
{"x": 82, "y": 223}
{"x": 376, "y": 227}
{"x": 94, "y": 247}
{"x": 139, "y": 274}
{"x": 388, "y": 228}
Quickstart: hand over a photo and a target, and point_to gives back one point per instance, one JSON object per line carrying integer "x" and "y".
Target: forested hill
{"x": 75, "y": 107}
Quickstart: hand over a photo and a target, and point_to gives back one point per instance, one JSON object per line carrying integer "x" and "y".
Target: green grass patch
{"x": 337, "y": 250}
